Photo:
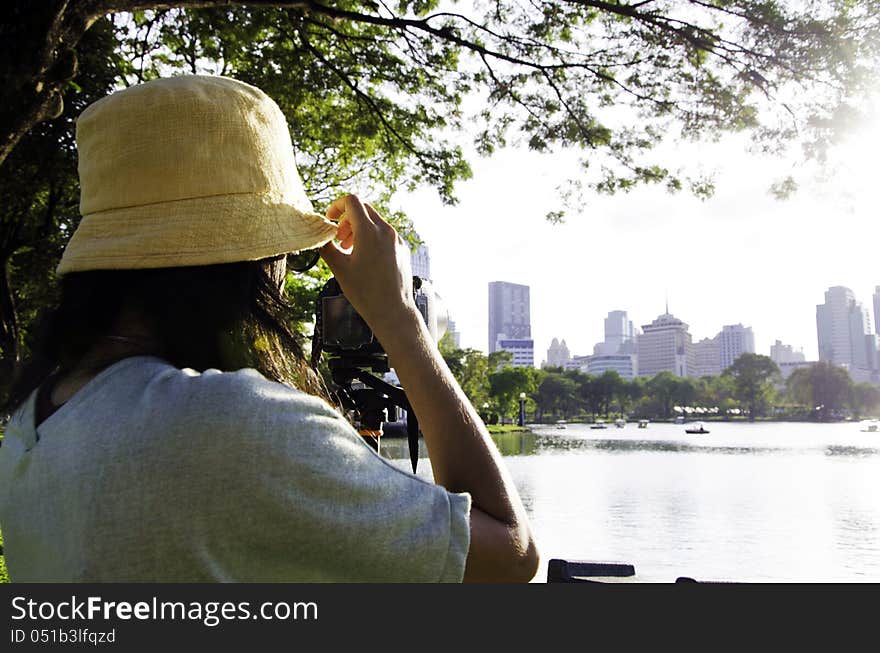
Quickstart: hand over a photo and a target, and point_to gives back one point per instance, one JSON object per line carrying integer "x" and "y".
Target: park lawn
{"x": 505, "y": 428}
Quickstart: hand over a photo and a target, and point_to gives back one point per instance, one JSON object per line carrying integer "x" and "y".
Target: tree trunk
{"x": 37, "y": 60}
{"x": 37, "y": 53}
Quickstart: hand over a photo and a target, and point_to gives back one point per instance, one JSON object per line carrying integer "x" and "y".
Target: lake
{"x": 773, "y": 502}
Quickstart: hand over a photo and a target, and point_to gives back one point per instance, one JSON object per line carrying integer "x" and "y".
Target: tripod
{"x": 375, "y": 403}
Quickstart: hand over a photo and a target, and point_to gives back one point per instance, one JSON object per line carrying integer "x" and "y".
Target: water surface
{"x": 787, "y": 502}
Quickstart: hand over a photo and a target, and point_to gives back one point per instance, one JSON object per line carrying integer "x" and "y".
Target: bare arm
{"x": 376, "y": 279}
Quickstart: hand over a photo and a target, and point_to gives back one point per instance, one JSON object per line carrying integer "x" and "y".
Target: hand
{"x": 371, "y": 264}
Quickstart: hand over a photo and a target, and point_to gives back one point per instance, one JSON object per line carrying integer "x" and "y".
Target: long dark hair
{"x": 228, "y": 317}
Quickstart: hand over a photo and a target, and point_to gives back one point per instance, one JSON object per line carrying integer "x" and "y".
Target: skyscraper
{"x": 840, "y": 327}
{"x": 734, "y": 341}
{"x": 618, "y": 328}
{"x": 877, "y": 310}
{"x": 510, "y": 323}
{"x": 618, "y": 350}
{"x": 618, "y": 332}
{"x": 421, "y": 262}
{"x": 665, "y": 344}
{"x": 707, "y": 357}
{"x": 452, "y": 330}
{"x": 558, "y": 354}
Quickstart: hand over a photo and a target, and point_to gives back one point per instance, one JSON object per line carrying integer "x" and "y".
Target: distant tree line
{"x": 752, "y": 388}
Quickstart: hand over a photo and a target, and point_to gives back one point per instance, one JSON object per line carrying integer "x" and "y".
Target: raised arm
{"x": 372, "y": 266}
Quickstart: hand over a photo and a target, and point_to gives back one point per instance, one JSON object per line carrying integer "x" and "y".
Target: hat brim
{"x": 188, "y": 233}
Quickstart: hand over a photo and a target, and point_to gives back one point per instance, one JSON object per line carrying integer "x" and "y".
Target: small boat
{"x": 561, "y": 424}
{"x": 679, "y": 420}
{"x": 599, "y": 424}
{"x": 699, "y": 429}
{"x": 620, "y": 423}
{"x": 871, "y": 427}
{"x": 643, "y": 423}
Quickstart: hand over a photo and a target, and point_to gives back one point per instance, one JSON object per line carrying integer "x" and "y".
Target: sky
{"x": 742, "y": 256}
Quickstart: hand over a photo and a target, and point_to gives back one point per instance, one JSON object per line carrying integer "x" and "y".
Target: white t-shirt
{"x": 151, "y": 473}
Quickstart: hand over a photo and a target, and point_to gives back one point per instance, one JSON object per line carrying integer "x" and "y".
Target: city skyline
{"x": 740, "y": 257}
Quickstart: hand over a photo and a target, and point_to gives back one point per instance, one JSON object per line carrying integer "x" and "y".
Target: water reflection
{"x": 849, "y": 451}
{"x": 514, "y": 443}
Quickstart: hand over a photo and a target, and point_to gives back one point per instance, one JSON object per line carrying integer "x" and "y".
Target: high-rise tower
{"x": 510, "y": 323}
{"x": 840, "y": 327}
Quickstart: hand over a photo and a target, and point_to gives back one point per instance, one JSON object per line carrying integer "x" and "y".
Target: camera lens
{"x": 304, "y": 260}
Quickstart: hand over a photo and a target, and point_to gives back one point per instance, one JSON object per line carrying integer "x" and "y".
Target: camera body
{"x": 346, "y": 340}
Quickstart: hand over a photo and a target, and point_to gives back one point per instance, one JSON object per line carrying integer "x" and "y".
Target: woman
{"x": 168, "y": 428}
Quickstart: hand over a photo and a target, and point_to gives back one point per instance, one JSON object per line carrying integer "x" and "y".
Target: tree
{"x": 555, "y": 394}
{"x": 369, "y": 88}
{"x": 546, "y": 70}
{"x": 606, "y": 387}
{"x": 506, "y": 385}
{"x": 685, "y": 392}
{"x": 39, "y": 201}
{"x": 662, "y": 386}
{"x": 587, "y": 391}
{"x": 635, "y": 390}
{"x": 823, "y": 388}
{"x": 722, "y": 390}
{"x": 500, "y": 359}
{"x": 865, "y": 399}
{"x": 753, "y": 376}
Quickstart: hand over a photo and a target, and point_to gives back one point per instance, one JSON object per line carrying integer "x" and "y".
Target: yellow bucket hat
{"x": 185, "y": 171}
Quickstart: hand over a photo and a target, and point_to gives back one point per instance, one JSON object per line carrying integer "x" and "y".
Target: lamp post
{"x": 486, "y": 412}
{"x": 522, "y": 408}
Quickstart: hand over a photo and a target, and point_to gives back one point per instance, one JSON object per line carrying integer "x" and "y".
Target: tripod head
{"x": 374, "y": 402}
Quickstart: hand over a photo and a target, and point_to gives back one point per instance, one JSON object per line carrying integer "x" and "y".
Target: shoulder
{"x": 228, "y": 403}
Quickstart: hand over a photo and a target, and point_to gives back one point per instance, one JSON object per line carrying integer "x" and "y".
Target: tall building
{"x": 781, "y": 354}
{"x": 619, "y": 336}
{"x": 558, "y": 354}
{"x": 707, "y": 357}
{"x": 841, "y": 329}
{"x": 665, "y": 344}
{"x": 877, "y": 309}
{"x": 734, "y": 341}
{"x": 523, "y": 351}
{"x": 509, "y": 322}
{"x": 453, "y": 332}
{"x": 421, "y": 262}
{"x": 618, "y": 329}
{"x": 618, "y": 350}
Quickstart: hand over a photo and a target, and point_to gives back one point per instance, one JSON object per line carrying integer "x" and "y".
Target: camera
{"x": 353, "y": 352}
{"x": 342, "y": 334}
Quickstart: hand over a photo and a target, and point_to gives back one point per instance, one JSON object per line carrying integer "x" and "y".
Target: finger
{"x": 333, "y": 256}
{"x": 347, "y": 243}
{"x": 374, "y": 215}
{"x": 344, "y": 229}
{"x": 352, "y": 208}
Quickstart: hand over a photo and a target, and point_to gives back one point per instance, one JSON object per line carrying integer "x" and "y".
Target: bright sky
{"x": 740, "y": 257}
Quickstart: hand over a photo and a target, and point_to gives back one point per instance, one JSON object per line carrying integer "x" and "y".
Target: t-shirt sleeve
{"x": 309, "y": 501}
